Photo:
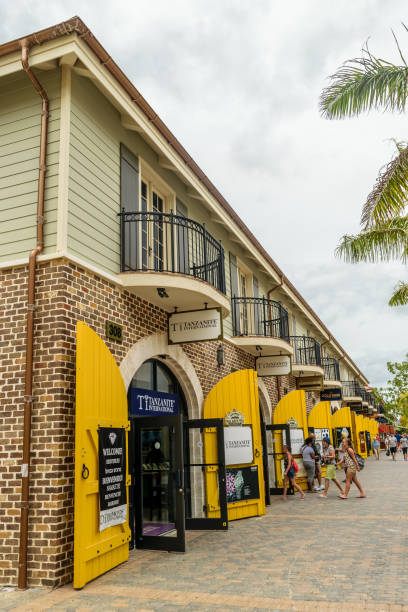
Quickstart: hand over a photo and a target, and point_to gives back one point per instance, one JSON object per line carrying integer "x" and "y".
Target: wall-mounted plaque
{"x": 238, "y": 445}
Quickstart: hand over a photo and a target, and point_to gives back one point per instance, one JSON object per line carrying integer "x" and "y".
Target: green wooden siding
{"x": 94, "y": 178}
{"x": 20, "y": 116}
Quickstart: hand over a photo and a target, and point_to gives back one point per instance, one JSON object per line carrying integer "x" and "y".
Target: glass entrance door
{"x": 159, "y": 486}
{"x": 275, "y": 437}
{"x": 207, "y": 506}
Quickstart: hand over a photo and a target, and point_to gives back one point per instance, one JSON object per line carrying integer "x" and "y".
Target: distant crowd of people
{"x": 348, "y": 459}
{"x": 394, "y": 443}
{"x": 313, "y": 460}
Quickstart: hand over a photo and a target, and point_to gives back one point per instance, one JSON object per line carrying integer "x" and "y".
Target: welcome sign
{"x": 144, "y": 402}
{"x": 195, "y": 326}
{"x": 112, "y": 477}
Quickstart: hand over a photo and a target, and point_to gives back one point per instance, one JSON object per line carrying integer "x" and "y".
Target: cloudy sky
{"x": 238, "y": 83}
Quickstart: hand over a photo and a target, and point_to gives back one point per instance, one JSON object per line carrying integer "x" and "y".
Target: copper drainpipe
{"x": 278, "y": 378}
{"x": 28, "y": 397}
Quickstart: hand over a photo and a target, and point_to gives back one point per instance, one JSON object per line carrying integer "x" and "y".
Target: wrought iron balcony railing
{"x": 252, "y": 316}
{"x": 307, "y": 351}
{"x": 164, "y": 242}
{"x": 352, "y": 389}
{"x": 331, "y": 368}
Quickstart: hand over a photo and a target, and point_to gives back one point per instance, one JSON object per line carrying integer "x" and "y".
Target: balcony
{"x": 261, "y": 326}
{"x": 352, "y": 392}
{"x": 331, "y": 373}
{"x": 306, "y": 359}
{"x": 172, "y": 261}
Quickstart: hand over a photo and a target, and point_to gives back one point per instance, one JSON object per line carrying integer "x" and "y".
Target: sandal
{"x": 342, "y": 496}
{"x": 361, "y": 496}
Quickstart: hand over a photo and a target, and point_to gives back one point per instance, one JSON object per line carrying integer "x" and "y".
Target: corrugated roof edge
{"x": 76, "y": 25}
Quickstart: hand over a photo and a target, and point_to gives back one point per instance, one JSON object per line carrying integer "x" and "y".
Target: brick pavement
{"x": 312, "y": 555}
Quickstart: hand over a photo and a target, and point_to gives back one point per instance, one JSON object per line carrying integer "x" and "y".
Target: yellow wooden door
{"x": 320, "y": 419}
{"x": 100, "y": 402}
{"x": 238, "y": 391}
{"x": 291, "y": 408}
{"x": 341, "y": 420}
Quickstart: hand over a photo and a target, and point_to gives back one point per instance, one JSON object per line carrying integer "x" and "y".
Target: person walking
{"x": 309, "y": 462}
{"x": 404, "y": 446}
{"x": 289, "y": 474}
{"x": 392, "y": 441}
{"x": 351, "y": 463}
{"x": 329, "y": 459}
{"x": 318, "y": 467}
{"x": 376, "y": 447}
{"x": 387, "y": 444}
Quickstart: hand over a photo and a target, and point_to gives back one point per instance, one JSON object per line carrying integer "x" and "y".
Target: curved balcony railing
{"x": 331, "y": 368}
{"x": 252, "y": 316}
{"x": 306, "y": 351}
{"x": 352, "y": 389}
{"x": 164, "y": 242}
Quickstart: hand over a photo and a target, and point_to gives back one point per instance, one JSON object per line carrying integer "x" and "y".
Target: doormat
{"x": 157, "y": 529}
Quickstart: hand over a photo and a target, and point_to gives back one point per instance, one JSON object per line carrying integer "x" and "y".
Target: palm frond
{"x": 365, "y": 83}
{"x": 390, "y": 193}
{"x": 400, "y": 295}
{"x": 385, "y": 242}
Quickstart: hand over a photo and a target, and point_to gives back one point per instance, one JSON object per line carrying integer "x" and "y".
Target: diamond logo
{"x": 112, "y": 437}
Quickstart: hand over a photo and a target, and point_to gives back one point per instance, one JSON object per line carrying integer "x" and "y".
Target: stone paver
{"x": 312, "y": 555}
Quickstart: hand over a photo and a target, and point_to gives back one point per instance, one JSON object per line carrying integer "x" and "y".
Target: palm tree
{"x": 360, "y": 85}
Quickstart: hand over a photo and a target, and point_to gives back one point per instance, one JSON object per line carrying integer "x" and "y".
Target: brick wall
{"x": 66, "y": 294}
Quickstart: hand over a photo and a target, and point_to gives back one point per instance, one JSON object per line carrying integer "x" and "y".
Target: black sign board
{"x": 112, "y": 477}
{"x": 330, "y": 395}
{"x": 242, "y": 483}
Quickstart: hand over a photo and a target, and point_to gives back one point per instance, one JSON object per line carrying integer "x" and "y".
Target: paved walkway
{"x": 312, "y": 555}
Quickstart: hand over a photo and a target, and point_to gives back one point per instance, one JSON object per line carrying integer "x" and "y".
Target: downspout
{"x": 28, "y": 397}
{"x": 278, "y": 378}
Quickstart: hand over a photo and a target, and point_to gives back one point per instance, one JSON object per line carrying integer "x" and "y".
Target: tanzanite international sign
{"x": 112, "y": 477}
{"x": 144, "y": 402}
{"x": 195, "y": 326}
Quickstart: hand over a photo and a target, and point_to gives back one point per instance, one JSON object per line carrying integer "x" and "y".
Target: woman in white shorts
{"x": 329, "y": 460}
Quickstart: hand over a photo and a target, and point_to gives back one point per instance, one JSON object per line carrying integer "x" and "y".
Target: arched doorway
{"x": 166, "y": 459}
{"x": 157, "y": 407}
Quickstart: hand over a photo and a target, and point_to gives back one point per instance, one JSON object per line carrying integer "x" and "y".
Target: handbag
{"x": 295, "y": 466}
{"x": 387, "y": 452}
{"x": 360, "y": 461}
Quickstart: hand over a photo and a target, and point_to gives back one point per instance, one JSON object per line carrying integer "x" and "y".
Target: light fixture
{"x": 220, "y": 355}
{"x": 162, "y": 292}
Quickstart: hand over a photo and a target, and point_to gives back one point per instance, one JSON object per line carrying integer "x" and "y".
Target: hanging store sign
{"x": 242, "y": 483}
{"x": 238, "y": 445}
{"x": 195, "y": 326}
{"x": 112, "y": 477}
{"x": 144, "y": 402}
{"x": 330, "y": 395}
{"x": 309, "y": 383}
{"x": 275, "y": 365}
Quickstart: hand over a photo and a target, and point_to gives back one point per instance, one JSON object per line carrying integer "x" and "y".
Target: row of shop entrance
{"x": 179, "y": 474}
{"x": 170, "y": 471}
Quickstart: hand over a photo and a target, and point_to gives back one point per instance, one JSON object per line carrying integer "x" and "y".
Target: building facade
{"x": 132, "y": 231}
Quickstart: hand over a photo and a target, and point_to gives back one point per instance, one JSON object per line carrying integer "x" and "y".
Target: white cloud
{"x": 238, "y": 83}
